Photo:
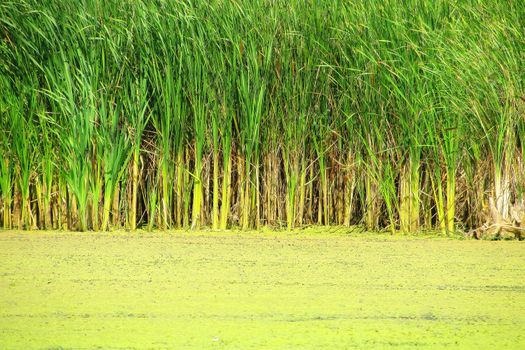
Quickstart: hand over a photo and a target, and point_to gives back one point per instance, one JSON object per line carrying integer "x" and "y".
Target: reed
{"x": 403, "y": 116}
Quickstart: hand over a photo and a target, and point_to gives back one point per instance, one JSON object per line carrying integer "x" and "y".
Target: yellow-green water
{"x": 258, "y": 291}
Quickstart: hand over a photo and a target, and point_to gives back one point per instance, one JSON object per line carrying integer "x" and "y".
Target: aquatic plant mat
{"x": 259, "y": 291}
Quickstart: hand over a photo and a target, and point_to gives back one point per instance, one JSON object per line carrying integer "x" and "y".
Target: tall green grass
{"x": 395, "y": 115}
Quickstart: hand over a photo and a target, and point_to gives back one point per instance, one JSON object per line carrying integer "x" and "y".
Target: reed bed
{"x": 395, "y": 115}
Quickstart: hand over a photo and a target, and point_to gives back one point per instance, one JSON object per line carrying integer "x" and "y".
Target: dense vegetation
{"x": 402, "y": 115}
